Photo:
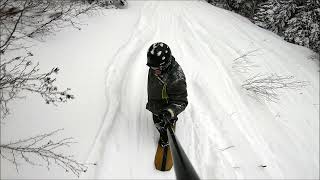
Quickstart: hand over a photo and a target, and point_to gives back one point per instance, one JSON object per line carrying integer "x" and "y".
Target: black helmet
{"x": 159, "y": 55}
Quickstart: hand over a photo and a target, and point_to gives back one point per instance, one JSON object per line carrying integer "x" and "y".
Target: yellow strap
{"x": 164, "y": 93}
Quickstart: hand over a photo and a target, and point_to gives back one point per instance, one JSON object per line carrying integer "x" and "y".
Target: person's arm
{"x": 178, "y": 101}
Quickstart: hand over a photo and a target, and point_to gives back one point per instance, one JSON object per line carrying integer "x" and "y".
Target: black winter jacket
{"x": 172, "y": 83}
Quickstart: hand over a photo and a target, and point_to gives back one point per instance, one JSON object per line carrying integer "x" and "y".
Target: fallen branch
{"x": 268, "y": 86}
{"x": 242, "y": 63}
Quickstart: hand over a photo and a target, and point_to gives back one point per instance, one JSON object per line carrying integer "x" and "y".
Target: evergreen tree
{"x": 297, "y": 21}
{"x": 245, "y": 7}
{"x": 274, "y": 15}
{"x": 220, "y": 3}
{"x": 303, "y": 29}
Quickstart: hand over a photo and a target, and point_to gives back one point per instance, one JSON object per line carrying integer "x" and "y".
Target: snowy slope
{"x": 225, "y": 133}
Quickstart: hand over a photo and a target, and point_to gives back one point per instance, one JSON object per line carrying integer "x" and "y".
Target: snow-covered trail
{"x": 225, "y": 133}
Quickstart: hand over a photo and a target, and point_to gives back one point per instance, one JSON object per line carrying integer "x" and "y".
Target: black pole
{"x": 182, "y": 166}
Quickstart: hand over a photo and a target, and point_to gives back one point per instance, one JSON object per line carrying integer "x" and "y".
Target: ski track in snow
{"x": 220, "y": 133}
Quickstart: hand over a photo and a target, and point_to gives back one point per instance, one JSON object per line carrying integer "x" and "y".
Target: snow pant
{"x": 163, "y": 132}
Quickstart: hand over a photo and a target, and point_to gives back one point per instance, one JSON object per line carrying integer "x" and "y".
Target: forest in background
{"x": 296, "y": 21}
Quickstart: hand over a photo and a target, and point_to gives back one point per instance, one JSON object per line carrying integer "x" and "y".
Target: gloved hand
{"x": 165, "y": 120}
{"x": 165, "y": 116}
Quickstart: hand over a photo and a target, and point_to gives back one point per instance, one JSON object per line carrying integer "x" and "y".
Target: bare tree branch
{"x": 20, "y": 75}
{"x": 246, "y": 54}
{"x": 242, "y": 63}
{"x": 42, "y": 146}
{"x": 6, "y": 43}
{"x": 22, "y": 19}
{"x": 20, "y": 22}
{"x": 227, "y": 148}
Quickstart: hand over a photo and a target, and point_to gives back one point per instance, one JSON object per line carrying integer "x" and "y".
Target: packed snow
{"x": 226, "y": 133}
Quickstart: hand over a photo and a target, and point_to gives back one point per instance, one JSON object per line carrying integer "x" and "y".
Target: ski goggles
{"x": 155, "y": 68}
{"x": 162, "y": 67}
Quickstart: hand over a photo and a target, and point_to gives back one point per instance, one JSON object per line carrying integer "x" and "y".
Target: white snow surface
{"x": 225, "y": 133}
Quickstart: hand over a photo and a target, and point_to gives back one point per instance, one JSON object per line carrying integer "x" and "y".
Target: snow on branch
{"x": 42, "y": 147}
{"x": 268, "y": 86}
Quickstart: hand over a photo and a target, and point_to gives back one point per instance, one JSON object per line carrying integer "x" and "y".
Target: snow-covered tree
{"x": 243, "y": 7}
{"x": 297, "y": 21}
{"x": 220, "y": 3}
{"x": 304, "y": 29}
{"x": 274, "y": 15}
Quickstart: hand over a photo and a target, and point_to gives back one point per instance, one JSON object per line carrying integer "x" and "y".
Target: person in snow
{"x": 167, "y": 89}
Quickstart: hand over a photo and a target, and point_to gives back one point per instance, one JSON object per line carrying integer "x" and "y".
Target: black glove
{"x": 165, "y": 116}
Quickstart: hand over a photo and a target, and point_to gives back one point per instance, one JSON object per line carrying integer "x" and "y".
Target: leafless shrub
{"x": 19, "y": 74}
{"x": 268, "y": 86}
{"x": 20, "y": 22}
{"x": 23, "y": 19}
{"x": 41, "y": 150}
{"x": 243, "y": 64}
